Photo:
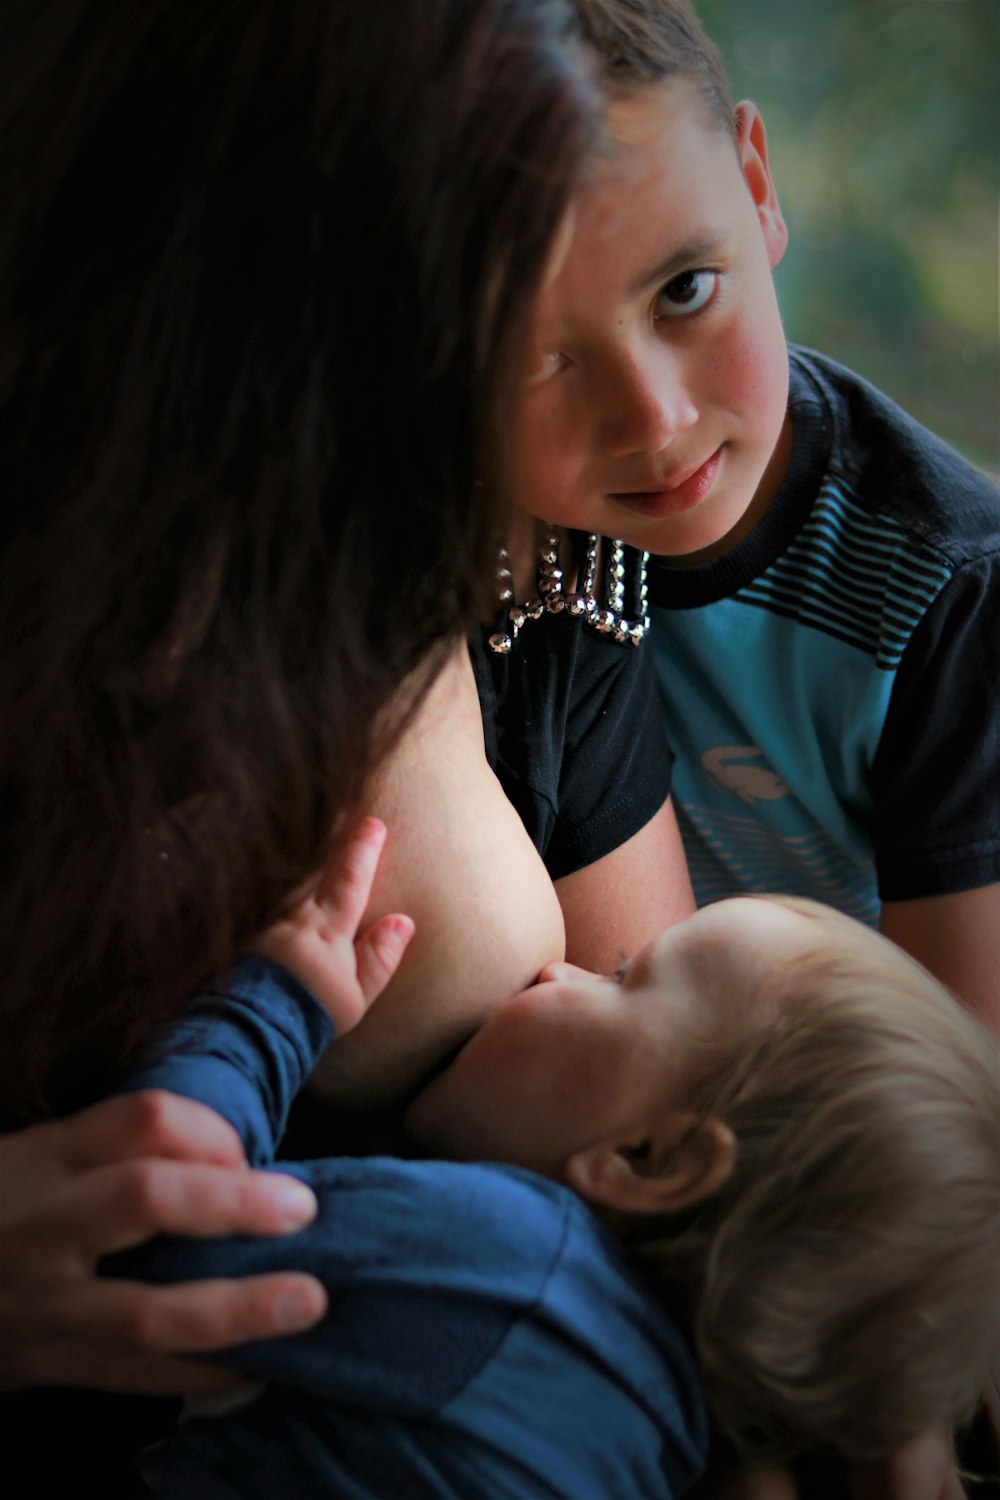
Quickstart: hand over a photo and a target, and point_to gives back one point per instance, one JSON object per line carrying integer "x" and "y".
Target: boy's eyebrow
{"x": 683, "y": 258}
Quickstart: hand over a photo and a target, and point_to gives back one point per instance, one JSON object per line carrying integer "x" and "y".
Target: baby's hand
{"x": 318, "y": 942}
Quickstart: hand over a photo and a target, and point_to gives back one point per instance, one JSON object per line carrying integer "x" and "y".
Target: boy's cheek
{"x": 752, "y": 374}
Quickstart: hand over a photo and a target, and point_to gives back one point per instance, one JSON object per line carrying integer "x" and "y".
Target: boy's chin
{"x": 695, "y": 546}
{"x": 697, "y": 556}
{"x": 711, "y": 536}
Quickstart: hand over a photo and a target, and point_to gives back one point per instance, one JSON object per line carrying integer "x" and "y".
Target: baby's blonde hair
{"x": 844, "y": 1283}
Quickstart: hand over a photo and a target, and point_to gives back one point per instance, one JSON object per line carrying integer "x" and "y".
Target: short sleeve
{"x": 936, "y": 774}
{"x": 577, "y": 740}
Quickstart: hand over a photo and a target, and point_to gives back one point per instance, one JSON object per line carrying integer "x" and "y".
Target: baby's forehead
{"x": 747, "y": 935}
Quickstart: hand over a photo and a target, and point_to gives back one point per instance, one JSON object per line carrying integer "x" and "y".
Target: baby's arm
{"x": 76, "y": 1191}
{"x": 246, "y": 1047}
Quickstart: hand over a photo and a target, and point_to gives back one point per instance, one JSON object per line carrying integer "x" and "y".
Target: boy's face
{"x": 652, "y": 406}
{"x": 578, "y": 1059}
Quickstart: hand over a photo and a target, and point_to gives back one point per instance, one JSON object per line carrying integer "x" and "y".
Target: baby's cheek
{"x": 465, "y": 1110}
{"x": 438, "y": 1118}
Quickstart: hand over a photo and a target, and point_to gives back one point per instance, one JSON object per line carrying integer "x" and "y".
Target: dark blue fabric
{"x": 485, "y": 1336}
{"x": 244, "y": 1049}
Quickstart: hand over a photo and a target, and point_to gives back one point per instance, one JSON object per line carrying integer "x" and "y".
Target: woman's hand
{"x": 319, "y": 943}
{"x": 922, "y": 1470}
{"x": 74, "y": 1190}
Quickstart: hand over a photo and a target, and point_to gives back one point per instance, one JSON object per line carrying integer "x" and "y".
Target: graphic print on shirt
{"x": 731, "y": 766}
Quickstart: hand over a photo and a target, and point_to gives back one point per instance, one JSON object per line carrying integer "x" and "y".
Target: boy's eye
{"x": 687, "y": 293}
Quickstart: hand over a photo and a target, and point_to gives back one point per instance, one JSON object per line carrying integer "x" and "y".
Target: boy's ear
{"x": 751, "y": 142}
{"x": 676, "y": 1165}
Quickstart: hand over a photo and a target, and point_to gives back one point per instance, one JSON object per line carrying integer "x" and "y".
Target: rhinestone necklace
{"x": 620, "y": 572}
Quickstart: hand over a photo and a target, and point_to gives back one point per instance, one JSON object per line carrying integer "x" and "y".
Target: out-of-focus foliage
{"x": 883, "y": 121}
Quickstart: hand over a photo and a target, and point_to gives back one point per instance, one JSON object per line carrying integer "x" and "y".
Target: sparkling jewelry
{"x": 621, "y": 612}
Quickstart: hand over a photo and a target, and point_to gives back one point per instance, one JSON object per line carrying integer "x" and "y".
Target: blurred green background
{"x": 883, "y": 120}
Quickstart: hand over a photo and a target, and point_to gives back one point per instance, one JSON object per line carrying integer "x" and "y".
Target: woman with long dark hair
{"x": 265, "y": 271}
{"x": 262, "y": 268}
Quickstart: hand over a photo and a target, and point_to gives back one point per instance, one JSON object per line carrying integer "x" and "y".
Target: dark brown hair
{"x": 640, "y": 42}
{"x": 261, "y": 265}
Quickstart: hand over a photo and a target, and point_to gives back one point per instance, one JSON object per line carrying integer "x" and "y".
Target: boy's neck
{"x": 775, "y": 472}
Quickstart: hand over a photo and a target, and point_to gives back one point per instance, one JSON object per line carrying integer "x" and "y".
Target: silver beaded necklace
{"x": 621, "y": 570}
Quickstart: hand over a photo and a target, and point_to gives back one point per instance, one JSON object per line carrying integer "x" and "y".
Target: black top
{"x": 573, "y": 732}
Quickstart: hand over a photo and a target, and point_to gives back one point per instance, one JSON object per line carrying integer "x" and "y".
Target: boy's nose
{"x": 645, "y": 404}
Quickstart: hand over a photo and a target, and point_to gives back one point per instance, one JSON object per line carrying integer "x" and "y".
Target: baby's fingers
{"x": 346, "y": 883}
{"x": 379, "y": 951}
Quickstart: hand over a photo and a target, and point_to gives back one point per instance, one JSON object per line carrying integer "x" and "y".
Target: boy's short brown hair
{"x": 844, "y": 1284}
{"x": 641, "y": 42}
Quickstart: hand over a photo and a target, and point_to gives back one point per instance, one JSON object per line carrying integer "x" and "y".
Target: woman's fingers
{"x": 114, "y": 1208}
{"x": 153, "y": 1123}
{"x": 125, "y": 1336}
{"x": 205, "y": 1315}
{"x": 75, "y": 1191}
{"x": 36, "y": 1161}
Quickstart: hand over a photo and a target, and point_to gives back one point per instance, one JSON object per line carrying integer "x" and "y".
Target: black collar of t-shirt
{"x": 812, "y": 440}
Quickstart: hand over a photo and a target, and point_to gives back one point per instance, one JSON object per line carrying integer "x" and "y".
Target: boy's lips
{"x": 674, "y": 497}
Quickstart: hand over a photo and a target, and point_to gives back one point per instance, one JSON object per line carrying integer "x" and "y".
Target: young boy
{"x": 826, "y": 575}
{"x": 789, "y": 1123}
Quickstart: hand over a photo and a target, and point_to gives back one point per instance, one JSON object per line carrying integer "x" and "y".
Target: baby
{"x": 792, "y": 1127}
{"x": 782, "y": 1114}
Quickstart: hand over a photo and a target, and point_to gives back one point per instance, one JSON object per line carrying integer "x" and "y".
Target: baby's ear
{"x": 751, "y": 142}
{"x": 675, "y": 1165}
